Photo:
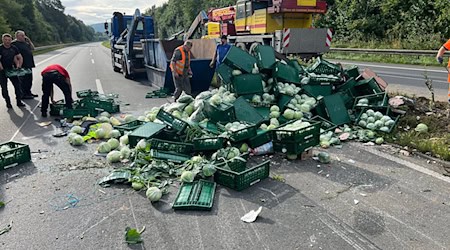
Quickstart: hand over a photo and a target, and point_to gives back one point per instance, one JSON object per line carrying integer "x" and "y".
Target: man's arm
{"x": 18, "y": 59}
{"x": 28, "y": 40}
{"x": 213, "y": 61}
{"x": 176, "y": 57}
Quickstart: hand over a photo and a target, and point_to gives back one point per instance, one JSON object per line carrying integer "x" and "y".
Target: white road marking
{"x": 92, "y": 60}
{"x": 99, "y": 86}
{"x": 90, "y": 53}
{"x": 404, "y": 163}
{"x": 50, "y": 58}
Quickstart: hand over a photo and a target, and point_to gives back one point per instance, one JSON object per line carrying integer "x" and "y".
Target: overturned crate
{"x": 13, "y": 153}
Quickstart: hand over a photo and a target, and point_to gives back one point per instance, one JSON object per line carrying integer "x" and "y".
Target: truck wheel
{"x": 115, "y": 68}
{"x": 252, "y": 47}
{"x": 241, "y": 46}
{"x": 125, "y": 70}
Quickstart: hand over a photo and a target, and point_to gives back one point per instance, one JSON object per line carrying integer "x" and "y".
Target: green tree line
{"x": 409, "y": 24}
{"x": 43, "y": 21}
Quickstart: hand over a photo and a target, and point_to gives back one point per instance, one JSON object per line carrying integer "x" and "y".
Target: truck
{"x": 127, "y": 31}
{"x": 286, "y": 25}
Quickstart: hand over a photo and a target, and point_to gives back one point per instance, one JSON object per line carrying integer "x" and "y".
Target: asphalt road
{"x": 367, "y": 198}
{"x": 409, "y": 79}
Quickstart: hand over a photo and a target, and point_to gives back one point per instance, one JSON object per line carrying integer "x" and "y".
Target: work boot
{"x": 34, "y": 95}
{"x": 27, "y": 97}
{"x": 8, "y": 105}
{"x": 20, "y": 104}
{"x": 44, "y": 114}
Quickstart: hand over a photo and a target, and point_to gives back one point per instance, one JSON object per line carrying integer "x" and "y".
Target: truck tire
{"x": 241, "y": 46}
{"x": 115, "y": 68}
{"x": 125, "y": 70}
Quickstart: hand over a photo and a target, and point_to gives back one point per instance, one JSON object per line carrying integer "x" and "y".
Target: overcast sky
{"x": 98, "y": 11}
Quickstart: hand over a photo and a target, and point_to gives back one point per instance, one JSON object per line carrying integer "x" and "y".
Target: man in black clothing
{"x": 26, "y": 47}
{"x": 10, "y": 59}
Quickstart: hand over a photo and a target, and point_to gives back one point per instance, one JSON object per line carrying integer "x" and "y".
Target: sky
{"x": 98, "y": 11}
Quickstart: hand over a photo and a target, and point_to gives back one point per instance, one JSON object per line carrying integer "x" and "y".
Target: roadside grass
{"x": 106, "y": 44}
{"x": 436, "y": 141}
{"x": 385, "y": 58}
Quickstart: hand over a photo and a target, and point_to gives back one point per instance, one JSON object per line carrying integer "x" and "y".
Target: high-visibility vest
{"x": 180, "y": 64}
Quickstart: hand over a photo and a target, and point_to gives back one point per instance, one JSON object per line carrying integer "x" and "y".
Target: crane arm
{"x": 200, "y": 19}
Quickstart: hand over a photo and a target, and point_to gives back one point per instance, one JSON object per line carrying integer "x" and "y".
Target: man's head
{"x": 6, "y": 39}
{"x": 188, "y": 45}
{"x": 20, "y": 35}
{"x": 223, "y": 39}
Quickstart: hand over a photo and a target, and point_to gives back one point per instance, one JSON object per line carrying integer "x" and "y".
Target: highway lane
{"x": 401, "y": 204}
{"x": 408, "y": 79}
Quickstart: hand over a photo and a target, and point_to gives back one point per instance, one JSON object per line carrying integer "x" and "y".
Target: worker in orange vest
{"x": 440, "y": 59}
{"x": 181, "y": 69}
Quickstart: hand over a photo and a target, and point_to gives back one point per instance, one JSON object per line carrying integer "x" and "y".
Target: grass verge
{"x": 385, "y": 58}
{"x": 106, "y": 44}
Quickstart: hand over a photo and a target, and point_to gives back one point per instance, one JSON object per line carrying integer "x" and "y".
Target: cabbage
{"x": 275, "y": 122}
{"x": 142, "y": 145}
{"x": 124, "y": 140}
{"x": 197, "y": 159}
{"x": 208, "y": 170}
{"x": 324, "y": 157}
{"x": 137, "y": 185}
{"x": 77, "y": 123}
{"x": 271, "y": 127}
{"x": 77, "y": 140}
{"x": 215, "y": 100}
{"x": 130, "y": 118}
{"x": 104, "y": 148}
{"x": 291, "y": 157}
{"x": 370, "y": 119}
{"x": 256, "y": 99}
{"x": 103, "y": 119}
{"x": 141, "y": 118}
{"x": 4, "y": 148}
{"x": 325, "y": 144}
{"x": 105, "y": 114}
{"x": 115, "y": 133}
{"x": 370, "y": 112}
{"x": 189, "y": 109}
{"x": 305, "y": 108}
{"x": 384, "y": 129}
{"x": 274, "y": 114}
{"x": 236, "y": 72}
{"x": 153, "y": 194}
{"x": 243, "y": 148}
{"x": 289, "y": 114}
{"x": 113, "y": 143}
{"x": 100, "y": 133}
{"x": 378, "y": 115}
{"x": 114, "y": 121}
{"x": 389, "y": 123}
{"x": 113, "y": 156}
{"x": 187, "y": 176}
{"x": 363, "y": 101}
{"x": 125, "y": 152}
{"x": 385, "y": 118}
{"x": 370, "y": 134}
{"x": 379, "y": 124}
{"x": 76, "y": 130}
{"x": 107, "y": 128}
{"x": 379, "y": 140}
{"x": 421, "y": 128}
{"x": 298, "y": 115}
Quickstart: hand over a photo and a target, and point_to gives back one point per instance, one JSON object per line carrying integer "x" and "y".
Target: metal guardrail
{"x": 387, "y": 51}
{"x": 55, "y": 46}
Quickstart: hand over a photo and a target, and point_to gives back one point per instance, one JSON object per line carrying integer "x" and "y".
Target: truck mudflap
{"x": 305, "y": 41}
{"x": 158, "y": 53}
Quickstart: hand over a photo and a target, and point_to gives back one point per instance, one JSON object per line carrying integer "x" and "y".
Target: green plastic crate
{"x": 197, "y": 195}
{"x": 349, "y": 85}
{"x": 236, "y": 58}
{"x": 146, "y": 131}
{"x": 242, "y": 134}
{"x": 336, "y": 109}
{"x": 318, "y": 90}
{"x": 172, "y": 121}
{"x": 285, "y": 73}
{"x": 323, "y": 67}
{"x": 225, "y": 73}
{"x": 222, "y": 113}
{"x": 129, "y": 126}
{"x": 242, "y": 180}
{"x": 265, "y": 57}
{"x": 17, "y": 154}
{"x": 170, "y": 134}
{"x": 86, "y": 93}
{"x": 262, "y": 137}
{"x": 352, "y": 71}
{"x": 245, "y": 112}
{"x": 283, "y": 101}
{"x": 169, "y": 156}
{"x": 375, "y": 100}
{"x": 170, "y": 146}
{"x": 367, "y": 87}
{"x": 247, "y": 84}
{"x": 79, "y": 113}
{"x": 296, "y": 147}
{"x": 57, "y": 109}
{"x": 208, "y": 144}
{"x": 234, "y": 164}
{"x": 385, "y": 111}
{"x": 303, "y": 134}
{"x": 296, "y": 65}
{"x": 108, "y": 105}
{"x": 324, "y": 124}
{"x": 264, "y": 112}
